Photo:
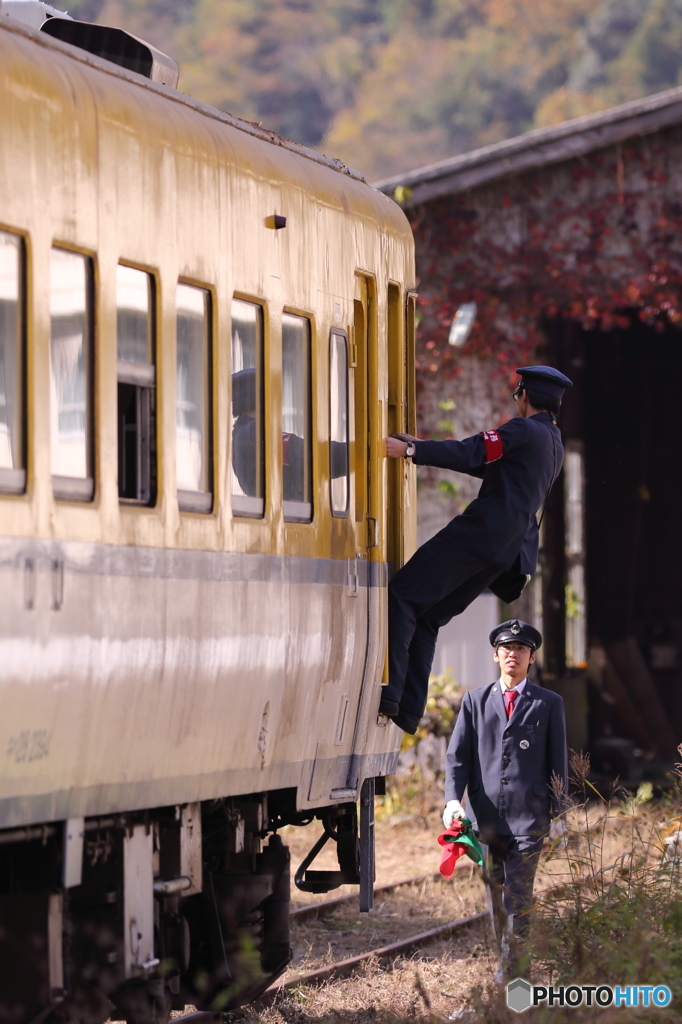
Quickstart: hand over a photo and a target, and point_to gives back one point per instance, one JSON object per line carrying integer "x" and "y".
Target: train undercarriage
{"x": 131, "y": 916}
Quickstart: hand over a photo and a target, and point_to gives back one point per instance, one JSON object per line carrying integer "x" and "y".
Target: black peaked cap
{"x": 518, "y": 630}
{"x": 545, "y": 379}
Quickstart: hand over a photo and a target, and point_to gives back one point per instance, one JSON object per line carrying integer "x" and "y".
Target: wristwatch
{"x": 410, "y": 450}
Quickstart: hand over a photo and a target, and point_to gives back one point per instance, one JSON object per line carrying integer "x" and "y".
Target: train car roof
{"x": 249, "y": 127}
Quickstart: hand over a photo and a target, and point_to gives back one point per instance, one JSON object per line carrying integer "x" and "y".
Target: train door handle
{"x": 373, "y": 532}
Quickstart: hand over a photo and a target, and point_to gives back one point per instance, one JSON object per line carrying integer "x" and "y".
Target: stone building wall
{"x": 594, "y": 239}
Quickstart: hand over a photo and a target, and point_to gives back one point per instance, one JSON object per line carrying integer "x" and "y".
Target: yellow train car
{"x": 206, "y": 331}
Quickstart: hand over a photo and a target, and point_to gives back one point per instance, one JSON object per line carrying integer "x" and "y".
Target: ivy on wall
{"x": 597, "y": 239}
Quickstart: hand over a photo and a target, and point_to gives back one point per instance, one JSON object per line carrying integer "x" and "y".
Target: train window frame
{"x": 13, "y": 478}
{"x": 141, "y": 377}
{"x": 337, "y": 511}
{"x": 301, "y": 512}
{"x": 246, "y": 506}
{"x": 64, "y": 487}
{"x": 189, "y": 500}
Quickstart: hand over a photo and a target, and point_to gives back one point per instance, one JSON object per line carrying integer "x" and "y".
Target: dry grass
{"x": 397, "y": 915}
{"x": 426, "y": 985}
{"x": 609, "y": 845}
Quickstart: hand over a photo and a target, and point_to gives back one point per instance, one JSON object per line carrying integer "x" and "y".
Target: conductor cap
{"x": 516, "y": 630}
{"x": 545, "y": 380}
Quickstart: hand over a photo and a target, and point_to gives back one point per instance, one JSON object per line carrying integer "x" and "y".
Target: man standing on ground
{"x": 507, "y": 750}
{"x": 497, "y": 533}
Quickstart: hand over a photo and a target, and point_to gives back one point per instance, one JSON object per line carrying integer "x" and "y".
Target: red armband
{"x": 493, "y": 446}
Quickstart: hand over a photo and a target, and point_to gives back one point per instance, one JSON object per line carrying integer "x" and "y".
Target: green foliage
{"x": 574, "y": 606}
{"x": 447, "y": 488}
{"x": 392, "y": 84}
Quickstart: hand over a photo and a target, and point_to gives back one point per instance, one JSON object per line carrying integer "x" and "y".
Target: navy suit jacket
{"x": 507, "y": 764}
{"x": 501, "y": 522}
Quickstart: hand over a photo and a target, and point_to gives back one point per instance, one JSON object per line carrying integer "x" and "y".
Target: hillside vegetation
{"x": 387, "y": 85}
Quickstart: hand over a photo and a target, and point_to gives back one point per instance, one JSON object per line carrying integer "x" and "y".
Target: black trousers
{"x": 510, "y": 869}
{"x": 438, "y": 582}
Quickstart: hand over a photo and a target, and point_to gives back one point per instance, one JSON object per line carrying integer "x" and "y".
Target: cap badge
{"x": 524, "y": 744}
{"x": 515, "y": 628}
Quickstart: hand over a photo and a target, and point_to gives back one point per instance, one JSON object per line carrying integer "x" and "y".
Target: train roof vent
{"x": 117, "y": 46}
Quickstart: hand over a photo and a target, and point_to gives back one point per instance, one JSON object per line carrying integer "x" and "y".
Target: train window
{"x": 12, "y": 454}
{"x": 136, "y": 385}
{"x": 296, "y": 447}
{"x": 192, "y": 403}
{"x": 247, "y": 409}
{"x": 338, "y": 434}
{"x": 70, "y": 375}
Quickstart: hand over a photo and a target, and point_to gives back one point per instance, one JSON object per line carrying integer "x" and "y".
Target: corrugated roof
{"x": 539, "y": 147}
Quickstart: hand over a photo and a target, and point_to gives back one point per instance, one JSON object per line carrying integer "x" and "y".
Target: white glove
{"x": 558, "y": 834}
{"x": 453, "y": 810}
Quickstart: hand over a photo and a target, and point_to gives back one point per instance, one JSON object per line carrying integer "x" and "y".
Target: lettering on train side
{"x": 29, "y": 745}
{"x": 263, "y": 734}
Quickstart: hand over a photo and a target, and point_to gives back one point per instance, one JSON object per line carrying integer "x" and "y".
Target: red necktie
{"x": 509, "y": 698}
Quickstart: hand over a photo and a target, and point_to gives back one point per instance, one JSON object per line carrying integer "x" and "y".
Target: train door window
{"x": 71, "y": 375}
{"x": 296, "y": 446}
{"x": 193, "y": 393}
{"x": 247, "y": 409}
{"x": 136, "y": 385}
{"x": 12, "y": 363}
{"x": 338, "y": 433}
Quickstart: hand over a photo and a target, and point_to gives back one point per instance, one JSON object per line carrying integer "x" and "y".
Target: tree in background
{"x": 387, "y": 85}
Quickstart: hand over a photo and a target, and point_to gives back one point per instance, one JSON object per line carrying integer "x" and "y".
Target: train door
{"x": 357, "y": 534}
{"x": 397, "y": 469}
{"x": 400, "y": 514}
{"x": 368, "y": 472}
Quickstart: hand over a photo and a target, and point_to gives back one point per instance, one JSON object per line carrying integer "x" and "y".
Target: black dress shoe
{"x": 390, "y": 708}
{"x": 406, "y": 722}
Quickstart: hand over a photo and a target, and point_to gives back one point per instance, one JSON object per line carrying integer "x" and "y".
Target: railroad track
{"x": 342, "y": 968}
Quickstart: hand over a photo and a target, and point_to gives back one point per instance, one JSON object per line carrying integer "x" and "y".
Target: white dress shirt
{"x": 520, "y": 687}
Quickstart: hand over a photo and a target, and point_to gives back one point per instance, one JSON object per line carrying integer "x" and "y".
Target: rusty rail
{"x": 344, "y": 967}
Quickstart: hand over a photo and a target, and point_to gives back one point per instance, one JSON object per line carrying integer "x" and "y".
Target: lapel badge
{"x": 524, "y": 744}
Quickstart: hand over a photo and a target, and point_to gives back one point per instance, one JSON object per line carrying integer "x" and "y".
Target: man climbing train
{"x": 493, "y": 543}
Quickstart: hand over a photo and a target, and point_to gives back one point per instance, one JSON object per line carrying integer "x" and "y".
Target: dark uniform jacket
{"x": 507, "y": 765}
{"x": 517, "y": 463}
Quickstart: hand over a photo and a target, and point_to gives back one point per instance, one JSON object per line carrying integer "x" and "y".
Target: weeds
{"x": 608, "y": 907}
